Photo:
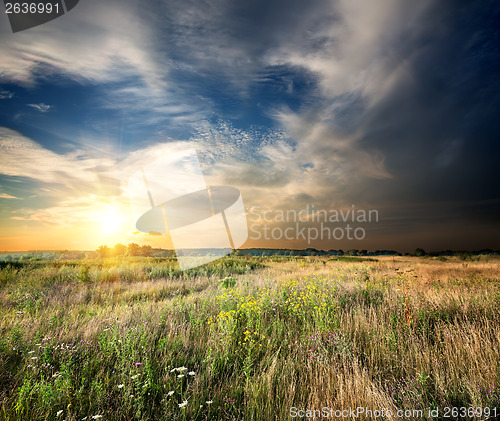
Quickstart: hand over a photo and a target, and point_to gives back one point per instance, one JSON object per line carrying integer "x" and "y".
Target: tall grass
{"x": 136, "y": 339}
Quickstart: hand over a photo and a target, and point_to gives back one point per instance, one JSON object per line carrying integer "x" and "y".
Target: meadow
{"x": 248, "y": 338}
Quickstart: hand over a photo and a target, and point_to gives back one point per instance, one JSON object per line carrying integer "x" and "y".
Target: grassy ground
{"x": 247, "y": 339}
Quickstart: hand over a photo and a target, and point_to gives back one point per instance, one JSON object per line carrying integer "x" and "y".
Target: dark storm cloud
{"x": 438, "y": 128}
{"x": 406, "y": 120}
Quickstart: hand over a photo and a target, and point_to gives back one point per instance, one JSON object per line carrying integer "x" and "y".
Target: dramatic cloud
{"x": 386, "y": 105}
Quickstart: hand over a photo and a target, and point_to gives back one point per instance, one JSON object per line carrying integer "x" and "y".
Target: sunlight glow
{"x": 111, "y": 221}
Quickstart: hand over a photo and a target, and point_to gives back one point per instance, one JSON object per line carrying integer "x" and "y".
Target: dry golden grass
{"x": 397, "y": 333}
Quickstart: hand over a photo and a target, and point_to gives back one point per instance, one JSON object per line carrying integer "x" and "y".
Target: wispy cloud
{"x": 7, "y": 196}
{"x": 4, "y": 94}
{"x": 100, "y": 43}
{"x": 23, "y": 157}
{"x": 43, "y": 108}
{"x": 352, "y": 48}
{"x": 73, "y": 211}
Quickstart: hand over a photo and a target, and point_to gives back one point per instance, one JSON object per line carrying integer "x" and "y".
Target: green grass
{"x": 134, "y": 338}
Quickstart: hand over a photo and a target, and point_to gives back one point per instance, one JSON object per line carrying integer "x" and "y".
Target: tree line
{"x": 119, "y": 249}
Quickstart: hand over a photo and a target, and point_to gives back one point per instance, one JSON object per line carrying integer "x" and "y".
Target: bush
{"x": 227, "y": 282}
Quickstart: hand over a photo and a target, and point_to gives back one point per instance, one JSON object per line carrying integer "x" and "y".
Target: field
{"x": 248, "y": 338}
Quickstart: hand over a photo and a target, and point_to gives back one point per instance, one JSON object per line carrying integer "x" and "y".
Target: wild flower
{"x": 180, "y": 376}
{"x": 135, "y": 376}
{"x": 183, "y": 404}
{"x": 170, "y": 393}
{"x": 209, "y": 402}
{"x": 120, "y": 386}
{"x": 191, "y": 373}
{"x": 59, "y": 412}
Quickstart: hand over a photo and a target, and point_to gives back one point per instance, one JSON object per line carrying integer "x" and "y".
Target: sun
{"x": 111, "y": 221}
{"x": 108, "y": 223}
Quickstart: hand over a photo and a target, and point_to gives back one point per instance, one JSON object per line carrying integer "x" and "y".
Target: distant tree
{"x": 146, "y": 251}
{"x": 133, "y": 249}
{"x": 310, "y": 252}
{"x": 353, "y": 252}
{"x": 464, "y": 255}
{"x": 103, "y": 251}
{"x": 119, "y": 250}
{"x": 8, "y": 258}
{"x": 419, "y": 252}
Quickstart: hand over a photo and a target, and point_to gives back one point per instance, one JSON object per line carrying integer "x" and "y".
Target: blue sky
{"x": 386, "y": 105}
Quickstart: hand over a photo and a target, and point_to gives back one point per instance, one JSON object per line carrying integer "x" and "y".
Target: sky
{"x": 318, "y": 106}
